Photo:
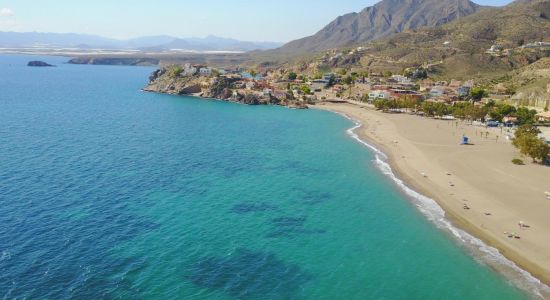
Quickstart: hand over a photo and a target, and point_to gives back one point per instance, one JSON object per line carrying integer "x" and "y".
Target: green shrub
{"x": 517, "y": 161}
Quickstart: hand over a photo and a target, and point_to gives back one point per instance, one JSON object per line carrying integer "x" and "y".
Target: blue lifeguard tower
{"x": 465, "y": 140}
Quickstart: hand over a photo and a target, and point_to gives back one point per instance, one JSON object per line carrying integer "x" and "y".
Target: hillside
{"x": 454, "y": 50}
{"x": 381, "y": 20}
{"x": 461, "y": 46}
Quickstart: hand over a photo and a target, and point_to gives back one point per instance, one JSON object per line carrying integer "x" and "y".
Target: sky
{"x": 251, "y": 20}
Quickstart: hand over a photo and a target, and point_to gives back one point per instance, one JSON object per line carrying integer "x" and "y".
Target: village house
{"x": 379, "y": 94}
{"x": 510, "y": 120}
{"x": 536, "y": 45}
{"x": 205, "y": 71}
{"x": 240, "y": 84}
{"x": 318, "y": 85}
{"x": 400, "y": 79}
{"x": 250, "y": 85}
{"x": 437, "y": 91}
{"x": 455, "y": 84}
{"x": 279, "y": 94}
{"x": 328, "y": 76}
{"x": 400, "y": 94}
{"x": 189, "y": 70}
{"x": 337, "y": 88}
{"x": 463, "y": 91}
{"x": 543, "y": 116}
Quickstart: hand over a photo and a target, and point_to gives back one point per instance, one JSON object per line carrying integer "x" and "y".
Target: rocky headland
{"x": 174, "y": 80}
{"x": 115, "y": 61}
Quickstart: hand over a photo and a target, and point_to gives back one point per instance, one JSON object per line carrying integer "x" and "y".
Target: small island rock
{"x": 37, "y": 63}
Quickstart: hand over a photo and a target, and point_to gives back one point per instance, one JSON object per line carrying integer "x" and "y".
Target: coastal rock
{"x": 37, "y": 63}
{"x": 171, "y": 80}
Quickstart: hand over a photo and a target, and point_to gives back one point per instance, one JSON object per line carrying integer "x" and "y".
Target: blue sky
{"x": 279, "y": 20}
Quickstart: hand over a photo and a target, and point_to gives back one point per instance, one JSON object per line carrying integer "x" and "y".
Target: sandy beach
{"x": 477, "y": 185}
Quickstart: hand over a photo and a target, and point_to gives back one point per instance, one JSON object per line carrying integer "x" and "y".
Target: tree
{"x": 388, "y": 74}
{"x": 292, "y": 76}
{"x": 253, "y": 73}
{"x": 511, "y": 89}
{"x": 527, "y": 141}
{"x": 526, "y": 116}
{"x": 528, "y": 129}
{"x": 533, "y": 147}
{"x": 478, "y": 93}
{"x": 380, "y": 104}
{"x": 348, "y": 80}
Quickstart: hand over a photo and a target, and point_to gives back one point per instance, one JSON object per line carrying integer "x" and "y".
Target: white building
{"x": 383, "y": 95}
{"x": 188, "y": 69}
{"x": 205, "y": 71}
{"x": 401, "y": 79}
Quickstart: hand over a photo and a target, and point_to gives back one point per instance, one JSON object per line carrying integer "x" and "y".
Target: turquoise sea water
{"x": 108, "y": 192}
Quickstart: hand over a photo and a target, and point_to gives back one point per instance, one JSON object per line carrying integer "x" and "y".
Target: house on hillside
{"x": 543, "y": 116}
{"x": 188, "y": 69}
{"x": 379, "y": 94}
{"x": 401, "y": 94}
{"x": 318, "y": 85}
{"x": 495, "y": 49}
{"x": 400, "y": 79}
{"x": 205, "y": 71}
{"x": 510, "y": 119}
{"x": 536, "y": 45}
{"x": 437, "y": 91}
{"x": 463, "y": 91}
{"x": 250, "y": 85}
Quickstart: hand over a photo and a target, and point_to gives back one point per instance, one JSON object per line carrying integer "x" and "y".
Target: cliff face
{"x": 169, "y": 80}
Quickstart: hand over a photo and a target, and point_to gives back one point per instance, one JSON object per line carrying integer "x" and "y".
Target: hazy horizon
{"x": 245, "y": 20}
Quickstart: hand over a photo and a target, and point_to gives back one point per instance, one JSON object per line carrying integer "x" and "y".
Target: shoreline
{"x": 512, "y": 264}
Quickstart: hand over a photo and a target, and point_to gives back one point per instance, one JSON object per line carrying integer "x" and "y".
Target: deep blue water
{"x": 109, "y": 192}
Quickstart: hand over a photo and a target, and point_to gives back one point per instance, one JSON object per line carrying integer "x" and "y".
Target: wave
{"x": 482, "y": 252}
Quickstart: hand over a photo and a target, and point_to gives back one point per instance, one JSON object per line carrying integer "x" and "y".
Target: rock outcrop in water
{"x": 37, "y": 63}
{"x": 172, "y": 80}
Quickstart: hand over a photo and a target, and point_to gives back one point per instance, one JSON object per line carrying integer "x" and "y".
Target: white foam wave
{"x": 483, "y": 253}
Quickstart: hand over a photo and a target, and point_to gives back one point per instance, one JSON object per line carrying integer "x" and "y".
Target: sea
{"x": 110, "y": 192}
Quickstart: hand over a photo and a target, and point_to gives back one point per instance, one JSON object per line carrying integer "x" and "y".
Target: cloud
{"x": 6, "y": 12}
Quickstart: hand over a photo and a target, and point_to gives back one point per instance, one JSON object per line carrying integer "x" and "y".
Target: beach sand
{"x": 427, "y": 155}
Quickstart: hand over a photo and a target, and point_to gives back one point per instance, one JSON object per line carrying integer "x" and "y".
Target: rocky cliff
{"x": 170, "y": 80}
{"x": 116, "y": 61}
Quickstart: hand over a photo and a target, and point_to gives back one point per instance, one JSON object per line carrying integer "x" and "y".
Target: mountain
{"x": 214, "y": 43}
{"x": 41, "y": 39}
{"x": 455, "y": 50}
{"x": 152, "y": 43}
{"x": 381, "y": 20}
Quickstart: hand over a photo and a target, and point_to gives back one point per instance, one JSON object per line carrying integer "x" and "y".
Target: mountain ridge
{"x": 159, "y": 42}
{"x": 381, "y": 20}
